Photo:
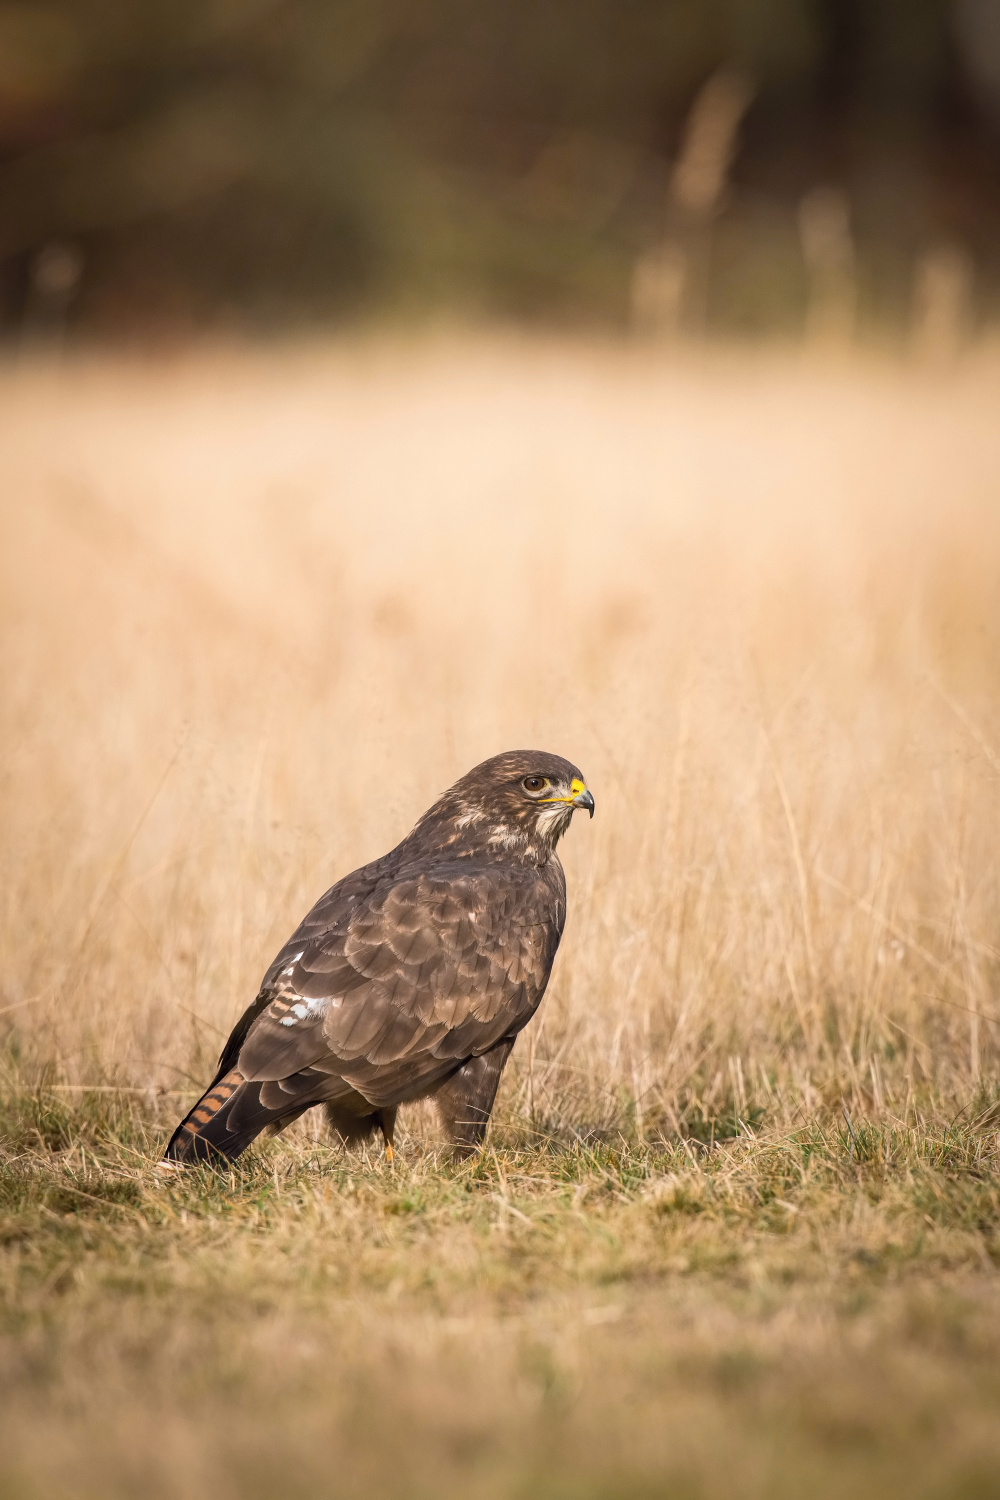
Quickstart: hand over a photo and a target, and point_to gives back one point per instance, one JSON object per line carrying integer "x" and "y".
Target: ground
{"x": 815, "y": 1311}
{"x": 807, "y": 1311}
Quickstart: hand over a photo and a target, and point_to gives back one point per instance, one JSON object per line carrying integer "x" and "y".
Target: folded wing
{"x": 422, "y": 973}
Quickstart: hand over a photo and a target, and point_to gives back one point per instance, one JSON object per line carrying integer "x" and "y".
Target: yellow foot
{"x": 389, "y": 1153}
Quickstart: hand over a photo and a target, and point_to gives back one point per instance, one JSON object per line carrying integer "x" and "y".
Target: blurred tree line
{"x": 265, "y": 163}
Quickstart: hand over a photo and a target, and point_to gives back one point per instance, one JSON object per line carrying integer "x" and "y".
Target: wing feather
{"x": 402, "y": 980}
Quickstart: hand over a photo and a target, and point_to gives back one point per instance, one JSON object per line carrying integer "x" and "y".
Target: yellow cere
{"x": 576, "y": 786}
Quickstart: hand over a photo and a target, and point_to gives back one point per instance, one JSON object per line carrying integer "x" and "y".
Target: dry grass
{"x": 738, "y": 1228}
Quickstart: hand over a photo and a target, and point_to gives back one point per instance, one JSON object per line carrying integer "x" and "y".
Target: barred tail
{"x": 235, "y": 1110}
{"x": 206, "y": 1133}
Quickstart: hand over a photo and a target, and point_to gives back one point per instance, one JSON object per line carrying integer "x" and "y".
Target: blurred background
{"x": 387, "y": 383}
{"x": 631, "y": 423}
{"x": 742, "y": 166}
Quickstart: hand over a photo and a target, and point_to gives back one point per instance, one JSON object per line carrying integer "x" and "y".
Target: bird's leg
{"x": 465, "y": 1101}
{"x": 387, "y": 1123}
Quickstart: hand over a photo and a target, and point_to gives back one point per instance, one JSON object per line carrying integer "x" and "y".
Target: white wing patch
{"x": 303, "y": 1010}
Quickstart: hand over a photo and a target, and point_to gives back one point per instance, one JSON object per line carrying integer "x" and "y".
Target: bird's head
{"x": 521, "y": 802}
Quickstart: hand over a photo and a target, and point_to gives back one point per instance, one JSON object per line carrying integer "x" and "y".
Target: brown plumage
{"x": 411, "y": 977}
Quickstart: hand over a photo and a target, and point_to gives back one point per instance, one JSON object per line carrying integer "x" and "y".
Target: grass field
{"x": 736, "y": 1232}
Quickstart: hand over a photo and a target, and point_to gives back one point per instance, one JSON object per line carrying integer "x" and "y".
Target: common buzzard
{"x": 410, "y": 978}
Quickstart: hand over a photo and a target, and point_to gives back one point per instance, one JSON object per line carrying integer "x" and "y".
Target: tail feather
{"x": 206, "y": 1133}
{"x": 234, "y": 1111}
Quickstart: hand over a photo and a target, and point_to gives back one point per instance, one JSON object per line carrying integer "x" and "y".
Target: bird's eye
{"x": 535, "y": 783}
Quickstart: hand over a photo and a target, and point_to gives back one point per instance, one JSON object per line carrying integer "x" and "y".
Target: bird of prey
{"x": 410, "y": 978}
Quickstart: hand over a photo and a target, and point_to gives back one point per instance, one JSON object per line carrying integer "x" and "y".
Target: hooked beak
{"x": 585, "y": 799}
{"x": 578, "y": 796}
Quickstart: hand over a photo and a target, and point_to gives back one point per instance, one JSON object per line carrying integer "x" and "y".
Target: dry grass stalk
{"x": 257, "y": 615}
